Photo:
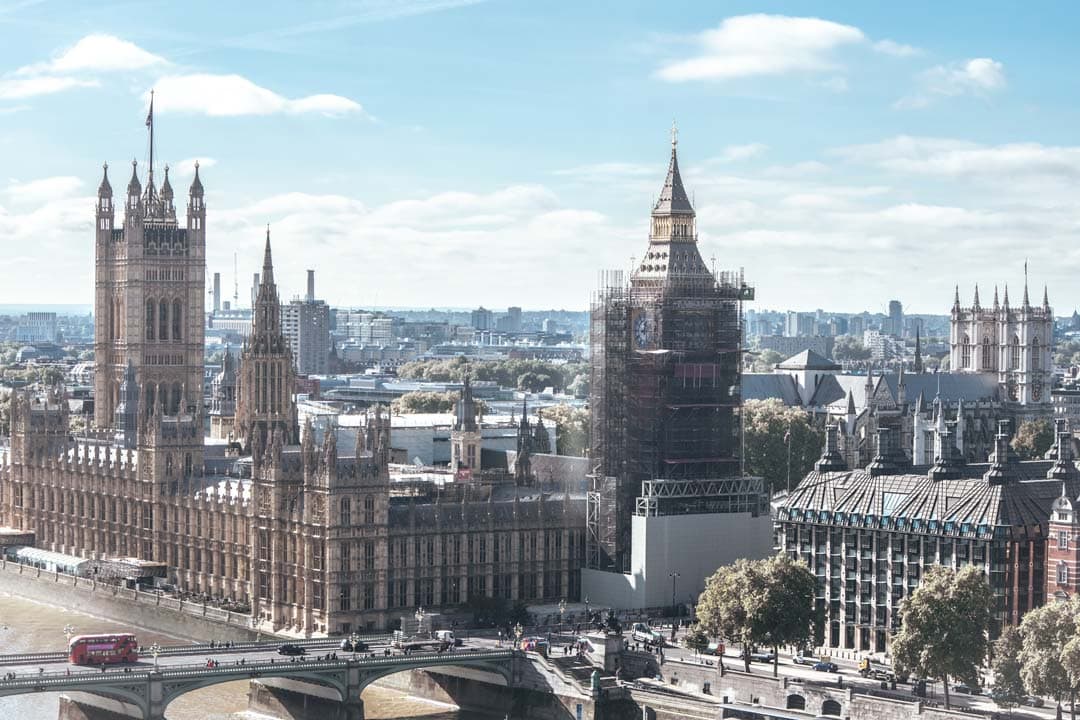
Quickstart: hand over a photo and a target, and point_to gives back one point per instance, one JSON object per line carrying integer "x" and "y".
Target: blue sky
{"x": 457, "y": 153}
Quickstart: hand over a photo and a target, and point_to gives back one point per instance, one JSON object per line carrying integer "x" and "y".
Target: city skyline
{"x": 385, "y": 160}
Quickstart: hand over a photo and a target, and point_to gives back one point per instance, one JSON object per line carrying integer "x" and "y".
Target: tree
{"x": 422, "y": 401}
{"x": 945, "y": 623}
{"x": 1046, "y": 633}
{"x": 849, "y": 347}
{"x": 1033, "y": 438}
{"x": 1008, "y": 685}
{"x": 697, "y": 639}
{"x": 766, "y": 361}
{"x": 766, "y": 423}
{"x": 766, "y": 602}
{"x": 534, "y": 382}
{"x": 571, "y": 428}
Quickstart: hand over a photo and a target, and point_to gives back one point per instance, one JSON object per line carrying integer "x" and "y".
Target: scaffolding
{"x": 665, "y": 354}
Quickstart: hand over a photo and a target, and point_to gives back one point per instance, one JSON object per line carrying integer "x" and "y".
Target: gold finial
{"x": 674, "y": 134}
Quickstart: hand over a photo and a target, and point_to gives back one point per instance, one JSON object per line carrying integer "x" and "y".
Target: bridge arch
{"x": 503, "y": 670}
{"x": 335, "y": 680}
{"x": 131, "y": 693}
{"x": 830, "y": 707}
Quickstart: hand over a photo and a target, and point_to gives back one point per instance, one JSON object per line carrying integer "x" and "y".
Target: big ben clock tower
{"x": 665, "y": 372}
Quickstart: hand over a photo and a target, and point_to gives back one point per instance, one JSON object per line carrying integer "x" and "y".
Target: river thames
{"x": 32, "y": 627}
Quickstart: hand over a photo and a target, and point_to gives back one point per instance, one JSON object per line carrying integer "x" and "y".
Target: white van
{"x": 644, "y": 633}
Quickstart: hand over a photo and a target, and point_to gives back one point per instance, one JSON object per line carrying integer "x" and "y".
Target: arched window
{"x": 965, "y": 352}
{"x": 174, "y": 406}
{"x": 163, "y": 320}
{"x": 796, "y": 702}
{"x": 150, "y": 319}
{"x": 1036, "y": 362}
{"x": 1014, "y": 353}
{"x": 151, "y": 396}
{"x": 168, "y": 466}
{"x": 987, "y": 354}
{"x": 369, "y": 509}
{"x": 177, "y": 317}
{"x": 346, "y": 512}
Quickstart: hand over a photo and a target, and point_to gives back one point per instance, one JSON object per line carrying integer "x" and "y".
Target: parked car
{"x": 349, "y": 646}
{"x": 965, "y": 689}
{"x": 1033, "y": 701}
{"x": 826, "y": 666}
{"x": 291, "y": 650}
{"x": 801, "y": 659}
{"x": 766, "y": 656}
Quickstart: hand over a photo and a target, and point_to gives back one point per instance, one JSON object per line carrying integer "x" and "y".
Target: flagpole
{"x": 150, "y": 124}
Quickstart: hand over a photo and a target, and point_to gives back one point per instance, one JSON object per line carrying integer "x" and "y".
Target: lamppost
{"x": 787, "y": 441}
{"x": 588, "y": 618}
{"x": 518, "y": 631}
{"x": 155, "y": 650}
{"x": 562, "y": 612}
{"x": 674, "y": 577}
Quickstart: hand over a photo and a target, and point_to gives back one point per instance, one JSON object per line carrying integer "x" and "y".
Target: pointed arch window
{"x": 987, "y": 354}
{"x": 177, "y": 321}
{"x": 965, "y": 352}
{"x": 151, "y": 318}
{"x": 1014, "y": 353}
{"x": 1036, "y": 362}
{"x": 163, "y": 320}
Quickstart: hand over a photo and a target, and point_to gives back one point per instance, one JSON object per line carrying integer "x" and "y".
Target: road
{"x": 198, "y": 656}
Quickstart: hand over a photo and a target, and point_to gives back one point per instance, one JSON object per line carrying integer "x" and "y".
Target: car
{"x": 826, "y": 666}
{"x": 291, "y": 650}
{"x": 965, "y": 689}
{"x": 801, "y": 659}
{"x": 766, "y": 656}
{"x": 349, "y": 646}
{"x": 1033, "y": 701}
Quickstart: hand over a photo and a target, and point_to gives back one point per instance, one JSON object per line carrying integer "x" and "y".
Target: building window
{"x": 1035, "y": 362}
{"x": 1063, "y": 540}
{"x": 1062, "y": 573}
{"x": 163, "y": 320}
{"x": 346, "y": 557}
{"x": 965, "y": 352}
{"x": 369, "y": 509}
{"x": 369, "y": 555}
{"x": 987, "y": 354}
{"x": 150, "y": 304}
{"x": 177, "y": 321}
{"x": 346, "y": 598}
{"x": 346, "y": 512}
{"x": 1014, "y": 353}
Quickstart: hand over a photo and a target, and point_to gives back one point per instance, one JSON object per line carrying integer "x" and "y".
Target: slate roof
{"x": 832, "y": 392}
{"x": 762, "y": 386}
{"x": 808, "y": 360}
{"x": 673, "y": 198}
{"x": 972, "y": 387}
{"x": 912, "y": 502}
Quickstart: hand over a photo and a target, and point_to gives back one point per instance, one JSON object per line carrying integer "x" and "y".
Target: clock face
{"x": 642, "y": 331}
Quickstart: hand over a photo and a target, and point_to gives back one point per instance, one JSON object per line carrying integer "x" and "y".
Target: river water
{"x": 27, "y": 626}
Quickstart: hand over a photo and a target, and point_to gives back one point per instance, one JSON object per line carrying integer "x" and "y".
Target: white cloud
{"x": 186, "y": 167}
{"x": 836, "y": 84}
{"x": 891, "y": 47}
{"x": 232, "y": 95}
{"x": 96, "y": 53}
{"x": 754, "y": 45}
{"x": 42, "y": 190}
{"x": 19, "y": 88}
{"x": 977, "y": 76}
{"x": 959, "y": 158}
{"x": 733, "y": 153}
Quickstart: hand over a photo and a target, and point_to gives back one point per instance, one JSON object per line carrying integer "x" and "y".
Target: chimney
{"x": 999, "y": 471}
{"x": 883, "y": 463}
{"x": 1063, "y": 467}
{"x": 831, "y": 460}
{"x": 217, "y": 292}
{"x": 311, "y": 286}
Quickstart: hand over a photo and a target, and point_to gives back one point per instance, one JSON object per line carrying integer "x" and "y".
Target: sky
{"x": 454, "y": 153}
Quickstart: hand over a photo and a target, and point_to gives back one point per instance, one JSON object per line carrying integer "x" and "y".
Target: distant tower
{"x": 150, "y": 291}
{"x": 223, "y": 398}
{"x": 264, "y": 389}
{"x": 523, "y": 456}
{"x": 217, "y": 293}
{"x": 465, "y": 435}
{"x": 917, "y": 366}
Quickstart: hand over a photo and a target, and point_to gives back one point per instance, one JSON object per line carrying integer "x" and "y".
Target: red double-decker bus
{"x": 103, "y": 649}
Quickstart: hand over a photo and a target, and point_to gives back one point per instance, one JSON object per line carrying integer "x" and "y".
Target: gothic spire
{"x": 1027, "y": 303}
{"x": 976, "y": 305}
{"x": 105, "y": 188}
{"x": 956, "y": 299}
{"x": 268, "y": 262}
{"x": 134, "y": 186}
{"x": 1005, "y": 304}
{"x": 166, "y": 187}
{"x": 196, "y": 188}
{"x": 918, "y": 366}
{"x": 673, "y": 199}
{"x": 1046, "y": 299}
{"x": 996, "y": 304}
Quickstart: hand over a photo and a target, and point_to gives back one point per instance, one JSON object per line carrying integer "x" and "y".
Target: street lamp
{"x": 562, "y": 612}
{"x": 674, "y": 577}
{"x": 588, "y": 618}
{"x": 354, "y": 640}
{"x": 155, "y": 650}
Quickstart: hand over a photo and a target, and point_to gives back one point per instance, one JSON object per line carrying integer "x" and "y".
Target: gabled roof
{"x": 763, "y": 386}
{"x": 832, "y": 393}
{"x": 808, "y": 360}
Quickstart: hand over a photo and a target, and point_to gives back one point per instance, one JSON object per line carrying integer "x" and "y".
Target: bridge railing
{"x": 62, "y": 680}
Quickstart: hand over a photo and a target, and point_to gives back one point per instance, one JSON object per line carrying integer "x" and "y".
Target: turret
{"x": 196, "y": 206}
{"x": 167, "y": 194}
{"x": 975, "y": 305}
{"x": 134, "y": 188}
{"x": 1063, "y": 467}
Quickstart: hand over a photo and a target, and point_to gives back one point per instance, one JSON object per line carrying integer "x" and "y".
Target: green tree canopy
{"x": 1033, "y": 438}
{"x": 422, "y": 401}
{"x": 945, "y": 624}
{"x": 571, "y": 428}
{"x": 766, "y": 602}
{"x": 532, "y": 375}
{"x": 766, "y": 424}
{"x": 1008, "y": 685}
{"x": 850, "y": 347}
{"x": 1046, "y": 632}
{"x": 766, "y": 361}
